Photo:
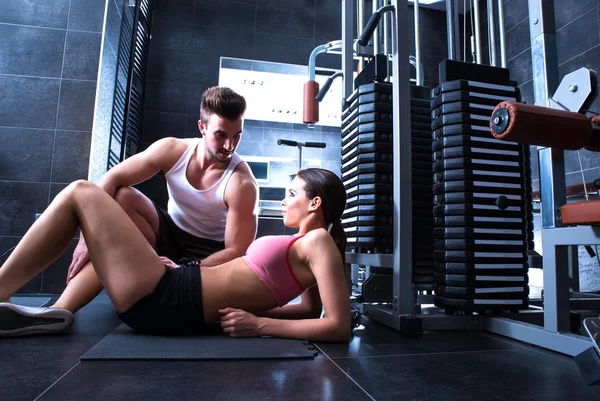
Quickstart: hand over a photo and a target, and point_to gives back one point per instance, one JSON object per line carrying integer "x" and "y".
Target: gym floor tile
{"x": 509, "y": 374}
{"x": 375, "y": 339}
{"x": 317, "y": 379}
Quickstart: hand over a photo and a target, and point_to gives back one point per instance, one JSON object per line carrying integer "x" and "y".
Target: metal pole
{"x": 451, "y": 28}
{"x": 491, "y": 32}
{"x": 543, "y": 50}
{"x": 360, "y": 24}
{"x": 502, "y": 31}
{"x": 401, "y": 145}
{"x": 387, "y": 46}
{"x": 545, "y": 81}
{"x": 347, "y": 52}
{"x": 360, "y": 12}
{"x": 376, "y": 32}
{"x": 419, "y": 76}
{"x": 477, "y": 32}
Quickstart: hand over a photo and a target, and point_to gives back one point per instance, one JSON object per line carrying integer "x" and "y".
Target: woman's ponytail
{"x": 339, "y": 236}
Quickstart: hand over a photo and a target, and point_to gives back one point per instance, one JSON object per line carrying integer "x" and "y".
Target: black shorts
{"x": 175, "y": 306}
{"x": 181, "y": 246}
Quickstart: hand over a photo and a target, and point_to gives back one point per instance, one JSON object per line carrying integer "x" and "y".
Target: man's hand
{"x": 81, "y": 256}
{"x": 168, "y": 262}
{"x": 239, "y": 323}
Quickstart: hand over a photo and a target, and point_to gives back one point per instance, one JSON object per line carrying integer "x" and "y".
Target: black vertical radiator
{"x": 132, "y": 65}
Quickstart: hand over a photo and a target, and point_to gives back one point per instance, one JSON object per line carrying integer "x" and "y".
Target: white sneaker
{"x": 18, "y": 320}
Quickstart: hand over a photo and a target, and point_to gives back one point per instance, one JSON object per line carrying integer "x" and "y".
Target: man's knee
{"x": 127, "y": 197}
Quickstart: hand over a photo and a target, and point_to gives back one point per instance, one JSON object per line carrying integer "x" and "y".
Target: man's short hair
{"x": 223, "y": 102}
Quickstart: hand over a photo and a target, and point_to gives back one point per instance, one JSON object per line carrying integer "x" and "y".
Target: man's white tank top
{"x": 202, "y": 213}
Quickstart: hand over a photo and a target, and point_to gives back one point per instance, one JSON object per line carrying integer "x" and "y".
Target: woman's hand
{"x": 168, "y": 262}
{"x": 239, "y": 323}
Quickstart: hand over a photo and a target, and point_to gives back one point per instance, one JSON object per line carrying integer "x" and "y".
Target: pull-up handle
{"x": 367, "y": 32}
{"x": 305, "y": 144}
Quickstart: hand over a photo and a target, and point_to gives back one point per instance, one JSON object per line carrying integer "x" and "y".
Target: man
{"x": 212, "y": 205}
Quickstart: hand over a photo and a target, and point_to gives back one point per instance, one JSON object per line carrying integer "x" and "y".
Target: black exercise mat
{"x": 125, "y": 344}
{"x": 30, "y": 301}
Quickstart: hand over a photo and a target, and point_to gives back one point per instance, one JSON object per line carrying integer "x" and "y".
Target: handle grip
{"x": 367, "y": 32}
{"x": 286, "y": 142}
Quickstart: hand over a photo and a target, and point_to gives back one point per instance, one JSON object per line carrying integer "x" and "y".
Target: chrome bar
{"x": 376, "y": 38}
{"x": 502, "y": 32}
{"x": 491, "y": 32}
{"x": 451, "y": 28}
{"x": 419, "y": 73}
{"x": 402, "y": 166}
{"x": 347, "y": 51}
{"x": 386, "y": 31}
{"x": 477, "y": 32}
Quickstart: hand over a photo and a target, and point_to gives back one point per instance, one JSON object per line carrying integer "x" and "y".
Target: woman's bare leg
{"x": 81, "y": 290}
{"x": 125, "y": 262}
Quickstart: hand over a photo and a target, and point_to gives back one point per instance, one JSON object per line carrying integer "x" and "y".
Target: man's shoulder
{"x": 172, "y": 145}
{"x": 242, "y": 173}
{"x": 242, "y": 185}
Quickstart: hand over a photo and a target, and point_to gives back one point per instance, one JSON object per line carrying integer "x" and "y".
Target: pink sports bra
{"x": 268, "y": 257}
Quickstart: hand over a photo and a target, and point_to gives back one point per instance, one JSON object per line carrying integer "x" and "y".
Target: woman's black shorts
{"x": 175, "y": 306}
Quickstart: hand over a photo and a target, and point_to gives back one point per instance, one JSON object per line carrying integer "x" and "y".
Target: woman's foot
{"x": 18, "y": 320}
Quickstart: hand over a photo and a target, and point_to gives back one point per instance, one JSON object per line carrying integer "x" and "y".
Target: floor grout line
{"x": 344, "y": 372}
{"x": 57, "y": 380}
{"x": 422, "y": 354}
{"x": 528, "y": 348}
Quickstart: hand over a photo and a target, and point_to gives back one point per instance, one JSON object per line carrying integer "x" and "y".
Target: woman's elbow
{"x": 341, "y": 333}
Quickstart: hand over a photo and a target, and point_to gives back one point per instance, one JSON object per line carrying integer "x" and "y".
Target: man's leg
{"x": 85, "y": 286}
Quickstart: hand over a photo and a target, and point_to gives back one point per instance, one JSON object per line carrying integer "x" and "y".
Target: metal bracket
{"x": 378, "y": 288}
{"x": 576, "y": 89}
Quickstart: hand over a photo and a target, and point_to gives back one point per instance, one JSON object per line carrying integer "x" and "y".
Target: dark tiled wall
{"x": 189, "y": 37}
{"x": 578, "y": 45}
{"x": 48, "y": 66}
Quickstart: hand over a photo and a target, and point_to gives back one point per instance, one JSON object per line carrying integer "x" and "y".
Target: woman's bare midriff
{"x": 233, "y": 285}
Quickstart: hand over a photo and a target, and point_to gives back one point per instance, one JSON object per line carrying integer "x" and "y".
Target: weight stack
{"x": 483, "y": 223}
{"x": 367, "y": 173}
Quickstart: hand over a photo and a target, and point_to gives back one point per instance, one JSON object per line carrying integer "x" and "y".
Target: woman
{"x": 153, "y": 297}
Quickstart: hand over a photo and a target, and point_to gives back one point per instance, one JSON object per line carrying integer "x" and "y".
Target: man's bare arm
{"x": 242, "y": 220}
{"x": 161, "y": 155}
